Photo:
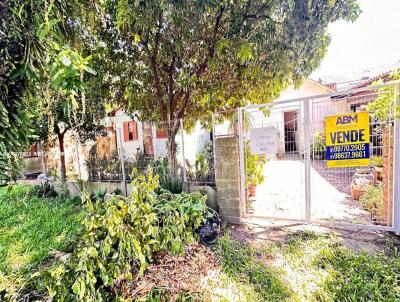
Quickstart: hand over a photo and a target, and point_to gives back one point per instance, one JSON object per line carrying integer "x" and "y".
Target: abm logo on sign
{"x": 347, "y": 119}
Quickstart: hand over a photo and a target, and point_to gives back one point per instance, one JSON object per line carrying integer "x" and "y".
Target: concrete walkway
{"x": 282, "y": 195}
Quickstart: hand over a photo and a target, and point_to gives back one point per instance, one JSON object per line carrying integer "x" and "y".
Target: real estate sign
{"x": 347, "y": 140}
{"x": 263, "y": 140}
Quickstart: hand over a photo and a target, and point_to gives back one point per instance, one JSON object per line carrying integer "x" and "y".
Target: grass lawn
{"x": 306, "y": 267}
{"x": 30, "y": 228}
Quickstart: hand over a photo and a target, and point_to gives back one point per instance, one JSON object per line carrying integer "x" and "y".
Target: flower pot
{"x": 378, "y": 173}
{"x": 252, "y": 190}
{"x": 361, "y": 179}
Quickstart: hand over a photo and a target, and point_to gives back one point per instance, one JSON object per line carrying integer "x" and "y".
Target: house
{"x": 137, "y": 136}
{"x": 288, "y": 119}
{"x": 134, "y": 136}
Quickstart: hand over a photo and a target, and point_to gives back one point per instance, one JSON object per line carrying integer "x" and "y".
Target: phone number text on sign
{"x": 354, "y": 151}
{"x": 347, "y": 140}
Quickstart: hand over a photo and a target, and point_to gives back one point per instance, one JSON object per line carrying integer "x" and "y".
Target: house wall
{"x": 194, "y": 141}
{"x": 106, "y": 145}
{"x": 320, "y": 108}
{"x": 159, "y": 144}
{"x": 130, "y": 148}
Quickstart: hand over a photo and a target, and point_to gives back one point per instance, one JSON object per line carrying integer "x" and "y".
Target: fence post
{"x": 183, "y": 152}
{"x": 213, "y": 141}
{"x": 42, "y": 158}
{"x": 77, "y": 156}
{"x": 307, "y": 159}
{"x": 241, "y": 163}
{"x": 122, "y": 160}
{"x": 396, "y": 164}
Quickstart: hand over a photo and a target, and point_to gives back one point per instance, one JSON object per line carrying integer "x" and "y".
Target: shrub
{"x": 318, "y": 145}
{"x": 167, "y": 180}
{"x": 45, "y": 190}
{"x": 142, "y": 163}
{"x": 204, "y": 165}
{"x": 376, "y": 161}
{"x": 372, "y": 201}
{"x": 103, "y": 168}
{"x": 120, "y": 237}
{"x": 254, "y": 166}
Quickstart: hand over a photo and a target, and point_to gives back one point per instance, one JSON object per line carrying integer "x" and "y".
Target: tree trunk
{"x": 172, "y": 149}
{"x": 63, "y": 172}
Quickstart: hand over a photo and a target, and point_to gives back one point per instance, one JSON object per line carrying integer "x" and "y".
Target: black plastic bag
{"x": 210, "y": 230}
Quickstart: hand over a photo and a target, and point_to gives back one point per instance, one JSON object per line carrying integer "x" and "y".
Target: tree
{"x": 19, "y": 55}
{"x": 383, "y": 107}
{"x": 185, "y": 59}
{"x": 37, "y": 67}
{"x": 66, "y": 107}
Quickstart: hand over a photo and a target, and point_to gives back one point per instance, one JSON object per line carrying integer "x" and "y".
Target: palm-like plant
{"x": 319, "y": 144}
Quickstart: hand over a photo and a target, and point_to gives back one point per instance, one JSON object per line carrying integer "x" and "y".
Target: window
{"x": 161, "y": 133}
{"x": 130, "y": 131}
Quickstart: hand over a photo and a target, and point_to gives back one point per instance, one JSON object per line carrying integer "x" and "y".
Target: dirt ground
{"x": 257, "y": 230}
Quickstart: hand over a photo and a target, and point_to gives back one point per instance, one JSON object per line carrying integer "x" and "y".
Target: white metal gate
{"x": 297, "y": 184}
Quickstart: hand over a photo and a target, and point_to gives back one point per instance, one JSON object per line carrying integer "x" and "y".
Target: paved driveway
{"x": 282, "y": 194}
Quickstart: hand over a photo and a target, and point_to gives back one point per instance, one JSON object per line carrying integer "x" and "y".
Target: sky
{"x": 372, "y": 40}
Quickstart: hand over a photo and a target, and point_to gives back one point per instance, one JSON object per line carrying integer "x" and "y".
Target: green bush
{"x": 318, "y": 145}
{"x": 372, "y": 201}
{"x": 120, "y": 237}
{"x": 45, "y": 190}
{"x": 376, "y": 161}
{"x": 204, "y": 164}
{"x": 167, "y": 180}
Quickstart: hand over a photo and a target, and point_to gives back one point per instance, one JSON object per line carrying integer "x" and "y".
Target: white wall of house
{"x": 194, "y": 140}
{"x": 159, "y": 144}
{"x": 130, "y": 148}
{"x": 194, "y": 143}
{"x": 319, "y": 109}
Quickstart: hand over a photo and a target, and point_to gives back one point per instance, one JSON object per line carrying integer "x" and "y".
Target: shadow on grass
{"x": 359, "y": 276}
{"x": 239, "y": 262}
{"x": 348, "y": 275}
{"x": 312, "y": 267}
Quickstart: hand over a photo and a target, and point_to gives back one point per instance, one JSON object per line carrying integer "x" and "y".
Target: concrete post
{"x": 227, "y": 179}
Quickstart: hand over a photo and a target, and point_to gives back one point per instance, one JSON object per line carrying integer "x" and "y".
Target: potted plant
{"x": 254, "y": 170}
{"x": 319, "y": 145}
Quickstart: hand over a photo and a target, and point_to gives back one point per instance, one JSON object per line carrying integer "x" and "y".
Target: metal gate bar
{"x": 304, "y": 101}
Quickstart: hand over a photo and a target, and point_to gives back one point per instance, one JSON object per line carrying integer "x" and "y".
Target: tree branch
{"x": 260, "y": 12}
{"x": 211, "y": 48}
{"x": 153, "y": 57}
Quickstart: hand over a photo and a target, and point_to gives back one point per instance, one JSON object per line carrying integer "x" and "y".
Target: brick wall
{"x": 387, "y": 154}
{"x": 227, "y": 179}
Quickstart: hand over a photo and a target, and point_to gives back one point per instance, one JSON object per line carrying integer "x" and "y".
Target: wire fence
{"x": 357, "y": 195}
{"x": 126, "y": 145}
